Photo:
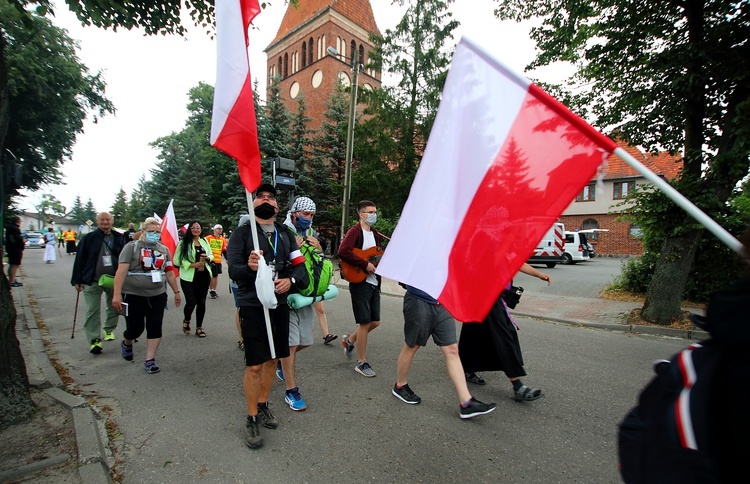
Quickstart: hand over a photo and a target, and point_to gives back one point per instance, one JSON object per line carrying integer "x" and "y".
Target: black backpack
{"x": 692, "y": 421}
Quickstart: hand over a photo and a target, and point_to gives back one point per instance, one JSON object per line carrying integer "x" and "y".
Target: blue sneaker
{"x": 294, "y": 399}
{"x": 279, "y": 371}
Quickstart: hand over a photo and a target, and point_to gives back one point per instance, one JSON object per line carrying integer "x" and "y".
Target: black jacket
{"x": 84, "y": 267}
{"x": 238, "y": 250}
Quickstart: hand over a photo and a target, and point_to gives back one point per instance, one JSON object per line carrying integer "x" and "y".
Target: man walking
{"x": 14, "y": 245}
{"x": 98, "y": 254}
{"x": 424, "y": 317}
{"x": 366, "y": 294}
{"x": 279, "y": 249}
{"x": 218, "y": 245}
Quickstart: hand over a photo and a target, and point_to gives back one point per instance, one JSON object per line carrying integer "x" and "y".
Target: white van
{"x": 549, "y": 250}
{"x": 576, "y": 248}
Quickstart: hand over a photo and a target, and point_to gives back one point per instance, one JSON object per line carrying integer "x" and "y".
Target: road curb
{"x": 93, "y": 467}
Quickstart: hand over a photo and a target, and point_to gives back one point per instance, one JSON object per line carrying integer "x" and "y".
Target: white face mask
{"x": 371, "y": 219}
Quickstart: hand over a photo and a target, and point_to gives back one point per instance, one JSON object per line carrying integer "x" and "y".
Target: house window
{"x": 310, "y": 51}
{"x": 304, "y": 54}
{"x": 286, "y": 65}
{"x": 361, "y": 54}
{"x": 353, "y": 49}
{"x": 591, "y": 223}
{"x": 588, "y": 194}
{"x": 623, "y": 189}
{"x": 635, "y": 231}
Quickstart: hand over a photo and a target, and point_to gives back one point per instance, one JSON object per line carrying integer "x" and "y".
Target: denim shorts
{"x": 422, "y": 320}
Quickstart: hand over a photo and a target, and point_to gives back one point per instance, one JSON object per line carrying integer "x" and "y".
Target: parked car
{"x": 576, "y": 248}
{"x": 34, "y": 240}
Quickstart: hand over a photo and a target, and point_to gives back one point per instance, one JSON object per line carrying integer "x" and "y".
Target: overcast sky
{"x": 148, "y": 79}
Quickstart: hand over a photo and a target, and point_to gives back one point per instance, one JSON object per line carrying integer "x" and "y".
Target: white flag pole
{"x": 695, "y": 212}
{"x": 254, "y": 232}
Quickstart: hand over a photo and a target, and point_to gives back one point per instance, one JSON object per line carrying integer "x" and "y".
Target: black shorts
{"x": 365, "y": 302}
{"x": 14, "y": 257}
{"x": 216, "y": 269}
{"x": 255, "y": 337}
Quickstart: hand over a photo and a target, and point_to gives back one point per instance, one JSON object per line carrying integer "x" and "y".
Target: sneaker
{"x": 127, "y": 351}
{"x": 109, "y": 335}
{"x": 406, "y": 395}
{"x": 151, "y": 366}
{"x": 279, "y": 371}
{"x": 266, "y": 417}
{"x": 365, "y": 369}
{"x": 348, "y": 347}
{"x": 294, "y": 400}
{"x": 476, "y": 408}
{"x": 16, "y": 284}
{"x": 213, "y": 294}
{"x": 328, "y": 338}
{"x": 252, "y": 433}
{"x": 96, "y": 346}
{"x": 241, "y": 345}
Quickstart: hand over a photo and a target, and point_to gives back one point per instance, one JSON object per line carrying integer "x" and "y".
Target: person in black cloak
{"x": 493, "y": 345}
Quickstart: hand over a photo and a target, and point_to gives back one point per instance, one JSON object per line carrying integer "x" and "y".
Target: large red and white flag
{"x": 233, "y": 127}
{"x": 169, "y": 235}
{"x": 503, "y": 161}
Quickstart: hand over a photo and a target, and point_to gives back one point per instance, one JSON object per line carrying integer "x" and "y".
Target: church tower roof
{"x": 358, "y": 11}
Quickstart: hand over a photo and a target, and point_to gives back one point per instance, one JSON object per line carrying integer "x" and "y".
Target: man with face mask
{"x": 366, "y": 294}
{"x": 279, "y": 249}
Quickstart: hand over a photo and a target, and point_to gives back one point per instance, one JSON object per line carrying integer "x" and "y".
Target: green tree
{"x": 664, "y": 75}
{"x": 90, "y": 212}
{"x": 327, "y": 163}
{"x": 137, "y": 212}
{"x": 299, "y": 149}
{"x": 48, "y": 206}
{"x": 415, "y": 53}
{"x": 77, "y": 213}
{"x": 119, "y": 209}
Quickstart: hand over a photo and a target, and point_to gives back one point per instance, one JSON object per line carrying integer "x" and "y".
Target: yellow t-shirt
{"x": 218, "y": 246}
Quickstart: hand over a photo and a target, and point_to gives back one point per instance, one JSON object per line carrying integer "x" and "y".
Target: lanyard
{"x": 275, "y": 241}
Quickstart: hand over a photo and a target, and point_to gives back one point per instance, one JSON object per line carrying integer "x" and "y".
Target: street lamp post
{"x": 349, "y": 137}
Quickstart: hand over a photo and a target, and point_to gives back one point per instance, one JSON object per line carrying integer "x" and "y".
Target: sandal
{"x": 476, "y": 379}
{"x": 241, "y": 344}
{"x": 186, "y": 327}
{"x": 200, "y": 333}
{"x": 329, "y": 337}
{"x": 528, "y": 394}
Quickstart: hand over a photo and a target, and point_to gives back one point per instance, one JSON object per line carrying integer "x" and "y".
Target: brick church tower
{"x": 298, "y": 55}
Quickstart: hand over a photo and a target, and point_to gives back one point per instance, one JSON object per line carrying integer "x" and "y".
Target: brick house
{"x": 298, "y": 54}
{"x": 590, "y": 210}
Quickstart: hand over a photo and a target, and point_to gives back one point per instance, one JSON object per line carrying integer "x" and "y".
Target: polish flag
{"x": 503, "y": 160}
{"x": 169, "y": 235}
{"x": 233, "y": 127}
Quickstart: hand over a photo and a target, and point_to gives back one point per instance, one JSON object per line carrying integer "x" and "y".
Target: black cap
{"x": 266, "y": 187}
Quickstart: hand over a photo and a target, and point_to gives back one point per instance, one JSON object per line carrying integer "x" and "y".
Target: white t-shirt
{"x": 368, "y": 240}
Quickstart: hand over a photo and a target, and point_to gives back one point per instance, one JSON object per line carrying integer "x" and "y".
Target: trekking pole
{"x": 75, "y": 315}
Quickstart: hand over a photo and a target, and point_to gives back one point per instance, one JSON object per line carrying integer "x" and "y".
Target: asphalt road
{"x": 185, "y": 424}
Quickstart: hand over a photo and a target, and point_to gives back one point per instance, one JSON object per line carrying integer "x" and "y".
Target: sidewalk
{"x": 93, "y": 462}
{"x": 580, "y": 311}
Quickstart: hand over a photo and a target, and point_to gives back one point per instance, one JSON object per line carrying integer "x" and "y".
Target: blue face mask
{"x": 303, "y": 223}
{"x": 152, "y": 238}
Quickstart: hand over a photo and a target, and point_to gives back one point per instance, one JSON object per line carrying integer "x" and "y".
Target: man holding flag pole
{"x": 234, "y": 132}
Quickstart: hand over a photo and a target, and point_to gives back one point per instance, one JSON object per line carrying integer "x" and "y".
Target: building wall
{"x": 317, "y": 80}
{"x": 617, "y": 242}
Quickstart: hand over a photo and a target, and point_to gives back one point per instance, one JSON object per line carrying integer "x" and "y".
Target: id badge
{"x": 107, "y": 260}
{"x": 155, "y": 276}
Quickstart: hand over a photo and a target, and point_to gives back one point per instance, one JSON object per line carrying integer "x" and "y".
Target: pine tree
{"x": 119, "y": 209}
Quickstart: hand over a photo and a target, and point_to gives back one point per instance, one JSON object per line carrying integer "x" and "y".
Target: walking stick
{"x": 75, "y": 315}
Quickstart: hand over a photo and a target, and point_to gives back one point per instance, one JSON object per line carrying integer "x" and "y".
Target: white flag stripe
{"x": 232, "y": 67}
{"x": 463, "y": 144}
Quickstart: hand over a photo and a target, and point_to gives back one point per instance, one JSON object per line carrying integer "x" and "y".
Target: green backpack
{"x": 319, "y": 271}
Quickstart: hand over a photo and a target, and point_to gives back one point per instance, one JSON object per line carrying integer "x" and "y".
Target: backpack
{"x": 691, "y": 423}
{"x": 319, "y": 271}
